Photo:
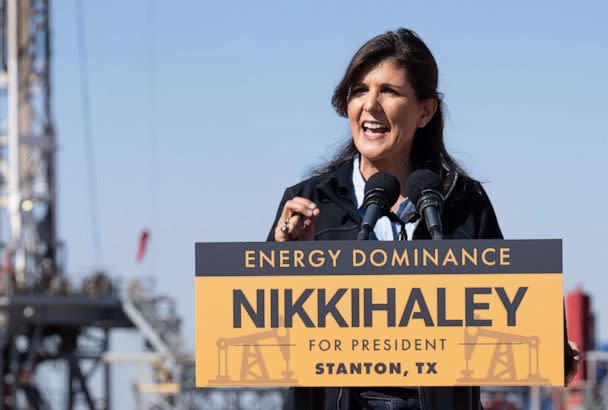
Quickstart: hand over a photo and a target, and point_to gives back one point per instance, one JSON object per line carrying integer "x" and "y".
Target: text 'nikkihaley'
{"x": 359, "y": 306}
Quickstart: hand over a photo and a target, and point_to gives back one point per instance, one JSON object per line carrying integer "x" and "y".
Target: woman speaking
{"x": 389, "y": 95}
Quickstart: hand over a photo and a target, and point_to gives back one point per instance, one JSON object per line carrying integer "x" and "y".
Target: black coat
{"x": 467, "y": 214}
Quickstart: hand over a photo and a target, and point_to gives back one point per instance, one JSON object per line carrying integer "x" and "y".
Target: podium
{"x": 402, "y": 313}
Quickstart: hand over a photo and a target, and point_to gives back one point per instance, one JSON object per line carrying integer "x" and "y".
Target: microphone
{"x": 381, "y": 192}
{"x": 424, "y": 189}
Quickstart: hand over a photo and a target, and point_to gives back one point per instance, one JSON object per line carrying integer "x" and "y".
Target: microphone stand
{"x": 430, "y": 205}
{"x": 436, "y": 232}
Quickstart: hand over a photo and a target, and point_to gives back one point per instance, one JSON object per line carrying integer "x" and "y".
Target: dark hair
{"x": 408, "y": 51}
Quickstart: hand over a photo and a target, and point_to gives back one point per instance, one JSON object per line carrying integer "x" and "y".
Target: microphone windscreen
{"x": 421, "y": 180}
{"x": 385, "y": 183}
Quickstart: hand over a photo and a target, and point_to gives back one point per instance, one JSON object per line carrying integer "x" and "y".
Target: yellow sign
{"x": 426, "y": 326}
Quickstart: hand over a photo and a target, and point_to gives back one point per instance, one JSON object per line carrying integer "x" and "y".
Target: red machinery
{"x": 580, "y": 325}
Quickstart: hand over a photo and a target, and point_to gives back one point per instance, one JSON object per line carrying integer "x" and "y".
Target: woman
{"x": 389, "y": 95}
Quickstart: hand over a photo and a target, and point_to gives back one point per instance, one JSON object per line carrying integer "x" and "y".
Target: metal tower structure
{"x": 44, "y": 318}
{"x": 27, "y": 146}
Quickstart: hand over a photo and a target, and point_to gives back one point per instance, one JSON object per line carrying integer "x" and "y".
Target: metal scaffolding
{"x": 27, "y": 146}
{"x": 44, "y": 317}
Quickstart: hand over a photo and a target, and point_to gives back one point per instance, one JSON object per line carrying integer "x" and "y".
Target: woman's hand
{"x": 297, "y": 221}
{"x": 576, "y": 361}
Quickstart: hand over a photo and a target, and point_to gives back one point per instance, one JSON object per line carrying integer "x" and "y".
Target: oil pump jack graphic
{"x": 502, "y": 365}
{"x": 253, "y": 367}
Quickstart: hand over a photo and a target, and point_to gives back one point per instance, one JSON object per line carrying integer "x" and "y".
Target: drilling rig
{"x": 45, "y": 318}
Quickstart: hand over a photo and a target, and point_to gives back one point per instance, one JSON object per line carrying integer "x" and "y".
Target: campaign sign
{"x": 370, "y": 313}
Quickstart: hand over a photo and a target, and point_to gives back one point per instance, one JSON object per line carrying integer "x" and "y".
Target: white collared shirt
{"x": 385, "y": 230}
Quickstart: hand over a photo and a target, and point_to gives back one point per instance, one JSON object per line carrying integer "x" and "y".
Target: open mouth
{"x": 374, "y": 128}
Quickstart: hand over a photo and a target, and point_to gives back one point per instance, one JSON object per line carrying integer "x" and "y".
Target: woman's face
{"x": 384, "y": 113}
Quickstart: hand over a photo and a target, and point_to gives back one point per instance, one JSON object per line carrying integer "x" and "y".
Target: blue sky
{"x": 203, "y": 112}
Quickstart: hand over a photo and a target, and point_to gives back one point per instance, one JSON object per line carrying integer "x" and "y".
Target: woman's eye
{"x": 357, "y": 91}
{"x": 389, "y": 91}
